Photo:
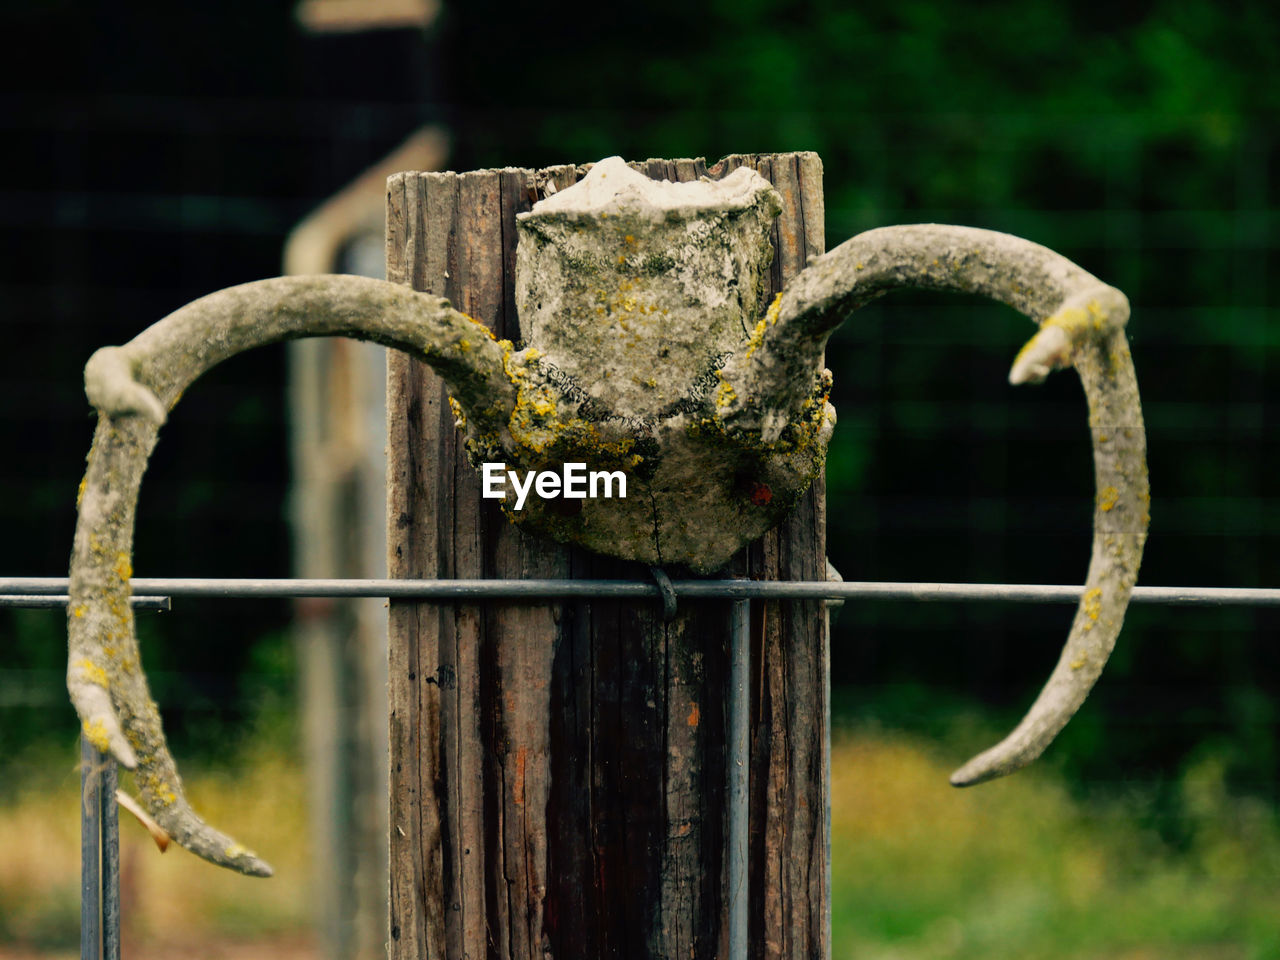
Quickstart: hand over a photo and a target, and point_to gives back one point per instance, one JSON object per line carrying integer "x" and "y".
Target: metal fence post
{"x": 739, "y": 754}
{"x": 99, "y": 856}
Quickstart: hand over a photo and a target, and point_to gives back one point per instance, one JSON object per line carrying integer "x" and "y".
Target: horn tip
{"x": 965, "y": 776}
{"x": 259, "y": 868}
{"x": 124, "y": 754}
{"x": 246, "y": 861}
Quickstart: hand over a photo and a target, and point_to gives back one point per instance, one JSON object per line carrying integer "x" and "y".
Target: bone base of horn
{"x": 635, "y": 293}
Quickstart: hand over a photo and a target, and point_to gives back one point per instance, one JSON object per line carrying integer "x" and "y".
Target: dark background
{"x": 155, "y": 154}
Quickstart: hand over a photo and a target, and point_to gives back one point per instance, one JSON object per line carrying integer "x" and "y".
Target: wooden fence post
{"x": 557, "y": 769}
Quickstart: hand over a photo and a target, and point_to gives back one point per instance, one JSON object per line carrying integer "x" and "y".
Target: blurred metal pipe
{"x": 90, "y": 851}
{"x": 28, "y": 587}
{"x": 109, "y": 816}
{"x": 53, "y": 601}
{"x": 99, "y": 855}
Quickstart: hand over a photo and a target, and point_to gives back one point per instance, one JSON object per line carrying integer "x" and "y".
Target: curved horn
{"x": 1081, "y": 324}
{"x": 133, "y": 387}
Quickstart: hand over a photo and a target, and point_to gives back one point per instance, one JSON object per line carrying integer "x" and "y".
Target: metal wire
{"x": 53, "y": 601}
{"x": 52, "y": 590}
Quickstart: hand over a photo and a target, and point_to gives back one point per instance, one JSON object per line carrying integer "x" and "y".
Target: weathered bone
{"x": 633, "y": 294}
{"x": 1081, "y": 324}
{"x": 622, "y": 278}
{"x": 133, "y": 386}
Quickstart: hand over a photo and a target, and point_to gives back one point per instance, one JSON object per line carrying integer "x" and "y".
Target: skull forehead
{"x": 637, "y": 287}
{"x": 611, "y": 186}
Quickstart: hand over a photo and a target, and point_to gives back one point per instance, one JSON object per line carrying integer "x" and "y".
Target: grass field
{"x": 172, "y": 905}
{"x": 921, "y": 871}
{"x": 1017, "y": 869}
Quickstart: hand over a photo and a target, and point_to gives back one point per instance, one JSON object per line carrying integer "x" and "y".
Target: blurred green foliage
{"x": 1023, "y": 869}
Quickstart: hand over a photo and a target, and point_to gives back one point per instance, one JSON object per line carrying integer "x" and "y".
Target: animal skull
{"x": 652, "y": 352}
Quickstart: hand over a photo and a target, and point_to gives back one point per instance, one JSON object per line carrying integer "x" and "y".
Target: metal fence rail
{"x": 100, "y": 893}
{"x": 154, "y": 592}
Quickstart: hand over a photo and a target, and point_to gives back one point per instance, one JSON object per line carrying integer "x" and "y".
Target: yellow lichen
{"x": 92, "y": 673}
{"x": 1107, "y": 498}
{"x": 459, "y": 418}
{"x": 119, "y": 607}
{"x": 123, "y": 568}
{"x": 1072, "y": 320}
{"x": 489, "y": 333}
{"x": 95, "y": 731}
{"x": 725, "y": 394}
{"x": 507, "y": 348}
{"x": 160, "y": 789}
{"x": 1092, "y": 606}
{"x": 78, "y": 611}
{"x": 770, "y": 318}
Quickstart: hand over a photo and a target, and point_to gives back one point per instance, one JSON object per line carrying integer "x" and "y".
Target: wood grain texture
{"x": 558, "y": 769}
